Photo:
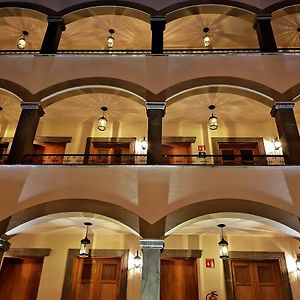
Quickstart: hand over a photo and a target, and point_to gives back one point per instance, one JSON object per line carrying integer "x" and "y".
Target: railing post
{"x": 287, "y": 131}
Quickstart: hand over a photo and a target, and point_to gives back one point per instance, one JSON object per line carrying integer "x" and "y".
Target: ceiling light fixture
{"x": 206, "y": 38}
{"x": 110, "y": 39}
{"x": 22, "y": 41}
{"x": 85, "y": 242}
{"x": 223, "y": 244}
{"x": 102, "y": 120}
{"x": 298, "y": 261}
{"x": 212, "y": 120}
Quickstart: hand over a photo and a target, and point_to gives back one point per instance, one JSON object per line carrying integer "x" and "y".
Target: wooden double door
{"x": 96, "y": 279}
{"x": 20, "y": 278}
{"x": 257, "y": 280}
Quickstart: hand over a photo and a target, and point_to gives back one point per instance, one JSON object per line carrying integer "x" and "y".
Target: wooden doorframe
{"x": 101, "y": 253}
{"x": 256, "y": 255}
{"x": 259, "y": 140}
{"x": 130, "y": 140}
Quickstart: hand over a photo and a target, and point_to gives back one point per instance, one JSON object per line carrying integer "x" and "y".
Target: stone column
{"x": 52, "y": 36}
{"x": 155, "y": 113}
{"x": 151, "y": 269}
{"x": 25, "y": 131}
{"x": 158, "y": 26}
{"x": 265, "y": 33}
{"x": 287, "y": 131}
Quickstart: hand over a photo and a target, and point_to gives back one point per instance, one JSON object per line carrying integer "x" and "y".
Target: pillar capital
{"x": 263, "y": 17}
{"x": 33, "y": 106}
{"x": 156, "y": 106}
{"x": 281, "y": 105}
{"x": 152, "y": 244}
{"x": 58, "y": 20}
{"x": 158, "y": 21}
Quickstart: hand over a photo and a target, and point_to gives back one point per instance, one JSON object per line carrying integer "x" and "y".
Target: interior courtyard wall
{"x": 209, "y": 279}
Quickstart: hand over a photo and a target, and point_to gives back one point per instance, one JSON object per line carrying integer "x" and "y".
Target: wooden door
{"x": 239, "y": 153}
{"x": 177, "y": 149}
{"x": 96, "y": 279}
{"x": 20, "y": 278}
{"x": 110, "y": 148}
{"x": 257, "y": 280}
{"x": 178, "y": 279}
{"x": 50, "y": 148}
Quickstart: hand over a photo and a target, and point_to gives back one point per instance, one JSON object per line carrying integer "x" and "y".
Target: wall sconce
{"x": 277, "y": 144}
{"x": 22, "y": 41}
{"x": 110, "y": 39}
{"x": 212, "y": 120}
{"x": 137, "y": 260}
{"x": 206, "y": 38}
{"x": 85, "y": 242}
{"x": 144, "y": 144}
{"x": 223, "y": 244}
{"x": 102, "y": 120}
{"x": 298, "y": 262}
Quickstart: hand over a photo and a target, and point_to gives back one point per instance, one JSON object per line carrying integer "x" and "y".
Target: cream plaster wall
{"x": 209, "y": 279}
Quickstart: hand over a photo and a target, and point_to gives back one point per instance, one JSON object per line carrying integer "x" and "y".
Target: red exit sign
{"x": 209, "y": 263}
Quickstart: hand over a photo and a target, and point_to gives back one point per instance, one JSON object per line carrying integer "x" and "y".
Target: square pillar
{"x": 265, "y": 33}
{"x": 151, "y": 269}
{"x": 52, "y": 36}
{"x": 155, "y": 113}
{"x": 158, "y": 26}
{"x": 287, "y": 131}
{"x": 25, "y": 131}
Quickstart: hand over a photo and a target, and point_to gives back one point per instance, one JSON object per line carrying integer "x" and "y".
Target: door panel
{"x": 96, "y": 279}
{"x": 23, "y": 273}
{"x": 177, "y": 149}
{"x": 179, "y": 279}
{"x": 257, "y": 280}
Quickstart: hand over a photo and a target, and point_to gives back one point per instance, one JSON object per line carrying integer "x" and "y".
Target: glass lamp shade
{"x": 223, "y": 249}
{"x": 144, "y": 144}
{"x": 110, "y": 42}
{"x": 102, "y": 123}
{"x": 21, "y": 43}
{"x": 137, "y": 261}
{"x": 277, "y": 144}
{"x": 206, "y": 40}
{"x": 213, "y": 122}
{"x": 84, "y": 247}
{"x": 298, "y": 262}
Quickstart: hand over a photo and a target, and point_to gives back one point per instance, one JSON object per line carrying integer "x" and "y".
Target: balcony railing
{"x": 143, "y": 52}
{"x": 141, "y": 159}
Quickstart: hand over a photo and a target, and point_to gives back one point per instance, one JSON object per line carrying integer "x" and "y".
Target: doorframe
{"x": 259, "y": 140}
{"x": 256, "y": 255}
{"x": 101, "y": 253}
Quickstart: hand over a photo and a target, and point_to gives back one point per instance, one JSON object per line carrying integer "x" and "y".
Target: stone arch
{"x": 58, "y": 91}
{"x": 97, "y": 207}
{"x": 292, "y": 94}
{"x": 33, "y": 9}
{"x": 239, "y": 86}
{"x": 282, "y": 8}
{"x": 214, "y": 206}
{"x": 230, "y": 8}
{"x": 127, "y": 8}
{"x": 16, "y": 90}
